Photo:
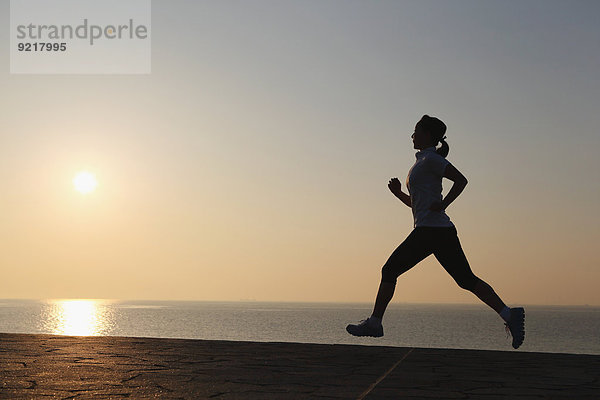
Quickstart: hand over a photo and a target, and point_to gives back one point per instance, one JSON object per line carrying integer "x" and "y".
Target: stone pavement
{"x": 66, "y": 367}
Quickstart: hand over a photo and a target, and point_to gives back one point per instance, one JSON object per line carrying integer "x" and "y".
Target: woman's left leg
{"x": 450, "y": 254}
{"x": 487, "y": 294}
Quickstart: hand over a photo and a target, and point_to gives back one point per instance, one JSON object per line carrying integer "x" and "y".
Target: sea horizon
{"x": 294, "y": 301}
{"x": 549, "y": 328}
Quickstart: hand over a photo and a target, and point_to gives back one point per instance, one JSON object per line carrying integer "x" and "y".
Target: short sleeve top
{"x": 424, "y": 183}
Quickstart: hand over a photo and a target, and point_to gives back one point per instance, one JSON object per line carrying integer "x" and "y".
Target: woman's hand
{"x": 395, "y": 186}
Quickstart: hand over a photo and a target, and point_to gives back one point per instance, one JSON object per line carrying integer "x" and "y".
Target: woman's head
{"x": 430, "y": 131}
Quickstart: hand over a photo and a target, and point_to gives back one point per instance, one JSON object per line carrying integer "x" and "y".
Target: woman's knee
{"x": 388, "y": 274}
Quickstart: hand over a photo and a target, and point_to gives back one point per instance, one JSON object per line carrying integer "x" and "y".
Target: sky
{"x": 252, "y": 163}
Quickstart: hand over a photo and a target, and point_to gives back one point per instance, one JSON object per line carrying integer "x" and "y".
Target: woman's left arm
{"x": 459, "y": 184}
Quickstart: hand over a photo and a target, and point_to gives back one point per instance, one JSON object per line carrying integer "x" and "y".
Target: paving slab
{"x": 108, "y": 367}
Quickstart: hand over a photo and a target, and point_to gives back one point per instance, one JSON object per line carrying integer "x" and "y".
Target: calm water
{"x": 548, "y": 329}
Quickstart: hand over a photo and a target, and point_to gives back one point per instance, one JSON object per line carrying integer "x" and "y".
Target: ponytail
{"x": 444, "y": 149}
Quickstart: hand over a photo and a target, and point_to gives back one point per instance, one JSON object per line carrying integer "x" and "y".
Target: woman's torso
{"x": 424, "y": 183}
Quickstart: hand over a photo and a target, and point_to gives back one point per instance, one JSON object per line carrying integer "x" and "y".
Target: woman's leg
{"x": 452, "y": 257}
{"x": 486, "y": 294}
{"x": 413, "y": 249}
{"x": 384, "y": 295}
{"x": 409, "y": 253}
{"x": 450, "y": 254}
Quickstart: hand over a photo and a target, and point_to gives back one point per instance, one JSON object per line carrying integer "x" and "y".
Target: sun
{"x": 85, "y": 182}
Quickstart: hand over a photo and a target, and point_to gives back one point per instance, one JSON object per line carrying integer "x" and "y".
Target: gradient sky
{"x": 253, "y": 162}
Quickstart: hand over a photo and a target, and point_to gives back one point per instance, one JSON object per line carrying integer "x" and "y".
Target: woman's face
{"x": 421, "y": 138}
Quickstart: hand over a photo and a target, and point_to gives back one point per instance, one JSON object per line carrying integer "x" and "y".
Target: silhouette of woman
{"x": 433, "y": 233}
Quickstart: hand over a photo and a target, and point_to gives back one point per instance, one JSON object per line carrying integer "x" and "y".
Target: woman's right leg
{"x": 412, "y": 250}
{"x": 384, "y": 296}
{"x": 409, "y": 253}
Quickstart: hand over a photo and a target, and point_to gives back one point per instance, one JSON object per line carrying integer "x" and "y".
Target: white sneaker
{"x": 516, "y": 326}
{"x": 365, "y": 328}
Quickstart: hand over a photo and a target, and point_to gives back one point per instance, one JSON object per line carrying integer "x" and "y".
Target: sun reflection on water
{"x": 77, "y": 317}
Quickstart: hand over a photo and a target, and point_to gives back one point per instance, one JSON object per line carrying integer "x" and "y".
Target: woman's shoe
{"x": 366, "y": 327}
{"x": 516, "y": 326}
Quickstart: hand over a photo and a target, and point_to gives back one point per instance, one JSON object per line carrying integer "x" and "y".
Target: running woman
{"x": 433, "y": 233}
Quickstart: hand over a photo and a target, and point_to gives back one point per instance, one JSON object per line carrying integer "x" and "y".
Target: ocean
{"x": 553, "y": 329}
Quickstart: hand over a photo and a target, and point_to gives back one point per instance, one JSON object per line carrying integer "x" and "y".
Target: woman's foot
{"x": 516, "y": 326}
{"x": 366, "y": 327}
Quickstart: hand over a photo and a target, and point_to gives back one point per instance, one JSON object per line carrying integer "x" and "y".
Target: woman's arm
{"x": 459, "y": 184}
{"x": 396, "y": 188}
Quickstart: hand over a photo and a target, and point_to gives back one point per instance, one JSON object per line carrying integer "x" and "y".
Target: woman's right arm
{"x": 396, "y": 188}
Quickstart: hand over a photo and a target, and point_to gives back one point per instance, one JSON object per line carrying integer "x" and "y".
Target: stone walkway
{"x": 63, "y": 367}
